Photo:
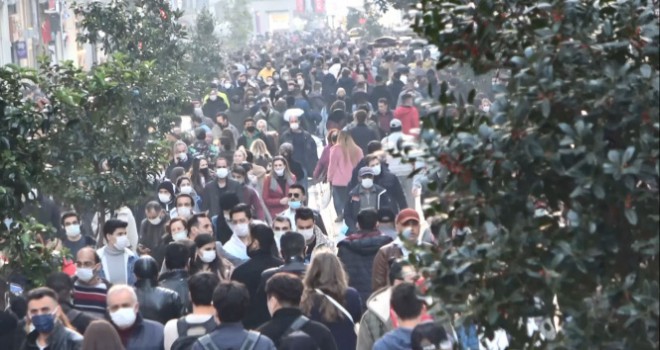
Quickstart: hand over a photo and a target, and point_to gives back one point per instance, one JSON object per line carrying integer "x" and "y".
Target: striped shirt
{"x": 90, "y": 298}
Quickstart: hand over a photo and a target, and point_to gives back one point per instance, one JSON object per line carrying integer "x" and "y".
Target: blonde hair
{"x": 259, "y": 149}
{"x": 325, "y": 272}
{"x": 348, "y": 147}
{"x": 242, "y": 151}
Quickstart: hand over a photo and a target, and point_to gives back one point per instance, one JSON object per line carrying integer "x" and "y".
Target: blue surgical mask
{"x": 295, "y": 204}
{"x": 44, "y": 323}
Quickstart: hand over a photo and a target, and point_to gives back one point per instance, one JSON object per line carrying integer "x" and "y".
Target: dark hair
{"x": 360, "y": 116}
{"x": 231, "y": 301}
{"x": 247, "y": 120}
{"x": 263, "y": 234}
{"x": 304, "y": 213}
{"x": 173, "y": 220}
{"x": 369, "y": 158}
{"x": 194, "y": 220}
{"x": 200, "y": 133}
{"x": 62, "y": 284}
{"x": 111, "y": 225}
{"x": 298, "y": 187}
{"x": 228, "y": 200}
{"x": 287, "y": 288}
{"x": 428, "y": 335}
{"x": 215, "y": 266}
{"x": 239, "y": 170}
{"x": 367, "y": 219}
{"x": 241, "y": 208}
{"x": 374, "y": 146}
{"x": 177, "y": 255}
{"x": 68, "y": 214}
{"x": 181, "y": 195}
{"x": 396, "y": 269}
{"x": 405, "y": 301}
{"x": 292, "y": 245}
{"x": 146, "y": 268}
{"x": 153, "y": 205}
{"x": 201, "y": 286}
{"x": 40, "y": 293}
{"x": 282, "y": 218}
{"x": 384, "y": 101}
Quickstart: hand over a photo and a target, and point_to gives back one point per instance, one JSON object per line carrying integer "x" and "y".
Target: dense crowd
{"x": 228, "y": 253}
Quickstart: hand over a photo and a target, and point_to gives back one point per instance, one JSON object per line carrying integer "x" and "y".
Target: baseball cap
{"x": 406, "y": 215}
{"x": 395, "y": 123}
{"x": 365, "y": 170}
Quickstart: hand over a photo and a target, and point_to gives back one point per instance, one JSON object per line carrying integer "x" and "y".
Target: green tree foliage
{"x": 204, "y": 61}
{"x": 559, "y": 184}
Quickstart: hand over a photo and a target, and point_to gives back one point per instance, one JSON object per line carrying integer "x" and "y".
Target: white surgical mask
{"x": 279, "y": 172}
{"x": 213, "y": 97}
{"x": 294, "y": 126}
{"x": 227, "y": 85}
{"x": 307, "y": 233}
{"x": 241, "y": 230}
{"x": 164, "y": 197}
{"x": 122, "y": 242}
{"x": 208, "y": 256}
{"x": 186, "y": 189}
{"x": 222, "y": 173}
{"x": 72, "y": 231}
{"x": 377, "y": 169}
{"x": 156, "y": 220}
{"x": 179, "y": 236}
{"x": 124, "y": 317}
{"x": 184, "y": 212}
{"x": 252, "y": 178}
{"x": 85, "y": 274}
{"x": 183, "y": 156}
{"x": 367, "y": 183}
{"x": 486, "y": 108}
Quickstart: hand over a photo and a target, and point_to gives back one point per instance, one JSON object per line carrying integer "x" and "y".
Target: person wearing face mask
{"x": 272, "y": 117}
{"x": 250, "y": 194}
{"x": 136, "y": 332}
{"x": 297, "y": 199}
{"x": 250, "y": 134}
{"x": 263, "y": 254}
{"x": 184, "y": 206}
{"x": 385, "y": 179}
{"x": 152, "y": 230}
{"x": 281, "y": 225}
{"x": 207, "y": 259}
{"x": 223, "y": 123}
{"x": 276, "y": 185}
{"x": 74, "y": 240}
{"x": 166, "y": 195}
{"x": 49, "y": 332}
{"x": 216, "y": 101}
{"x": 89, "y": 288}
{"x": 156, "y": 303}
{"x": 181, "y": 157}
{"x": 237, "y": 112}
{"x": 116, "y": 259}
{"x": 236, "y": 246}
{"x": 184, "y": 185}
{"x": 62, "y": 284}
{"x": 366, "y": 195}
{"x": 304, "y": 147}
{"x": 223, "y": 184}
{"x": 314, "y": 237}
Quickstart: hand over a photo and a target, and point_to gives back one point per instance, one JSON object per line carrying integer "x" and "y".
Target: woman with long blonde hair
{"x": 260, "y": 153}
{"x": 344, "y": 156}
{"x": 328, "y": 299}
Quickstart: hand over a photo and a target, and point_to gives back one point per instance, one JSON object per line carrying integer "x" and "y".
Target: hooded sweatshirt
{"x": 398, "y": 339}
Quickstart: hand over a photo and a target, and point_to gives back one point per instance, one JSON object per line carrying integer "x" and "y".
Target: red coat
{"x": 409, "y": 117}
{"x": 272, "y": 195}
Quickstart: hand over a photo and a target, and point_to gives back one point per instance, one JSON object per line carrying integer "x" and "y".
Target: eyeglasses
{"x": 294, "y": 195}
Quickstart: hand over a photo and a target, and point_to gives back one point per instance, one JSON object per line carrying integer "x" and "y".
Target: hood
{"x": 365, "y": 246}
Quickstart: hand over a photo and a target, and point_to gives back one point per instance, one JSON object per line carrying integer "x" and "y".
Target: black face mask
{"x": 251, "y": 128}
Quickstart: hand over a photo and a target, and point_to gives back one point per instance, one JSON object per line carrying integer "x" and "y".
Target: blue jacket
{"x": 397, "y": 339}
{"x": 130, "y": 262}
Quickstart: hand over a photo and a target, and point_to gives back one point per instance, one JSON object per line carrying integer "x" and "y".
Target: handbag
{"x": 326, "y": 194}
{"x": 356, "y": 326}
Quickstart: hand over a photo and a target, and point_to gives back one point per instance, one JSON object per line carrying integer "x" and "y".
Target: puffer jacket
{"x": 376, "y": 320}
{"x": 357, "y": 253}
{"x": 157, "y": 303}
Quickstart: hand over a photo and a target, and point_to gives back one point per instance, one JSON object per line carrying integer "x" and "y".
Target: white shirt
{"x": 236, "y": 248}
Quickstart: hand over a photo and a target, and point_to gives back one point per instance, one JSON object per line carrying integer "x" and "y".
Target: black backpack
{"x": 249, "y": 343}
{"x": 185, "y": 341}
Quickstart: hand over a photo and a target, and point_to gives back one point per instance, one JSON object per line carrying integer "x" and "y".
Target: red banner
{"x": 319, "y": 5}
{"x": 300, "y": 6}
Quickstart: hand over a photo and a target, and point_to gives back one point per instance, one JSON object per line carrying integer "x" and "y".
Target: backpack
{"x": 293, "y": 333}
{"x": 249, "y": 343}
{"x": 185, "y": 341}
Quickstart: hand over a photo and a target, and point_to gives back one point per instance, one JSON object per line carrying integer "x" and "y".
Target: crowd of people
{"x": 227, "y": 252}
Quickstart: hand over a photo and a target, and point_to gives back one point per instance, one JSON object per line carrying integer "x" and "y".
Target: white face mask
{"x": 164, "y": 197}
{"x": 222, "y": 173}
{"x": 183, "y": 156}
{"x": 124, "y": 317}
{"x": 186, "y": 189}
{"x": 184, "y": 212}
{"x": 213, "y": 97}
{"x": 241, "y": 230}
{"x": 85, "y": 274}
{"x": 72, "y": 231}
{"x": 208, "y": 256}
{"x": 294, "y": 126}
{"x": 179, "y": 236}
{"x": 155, "y": 221}
{"x": 485, "y": 108}
{"x": 377, "y": 169}
{"x": 122, "y": 242}
{"x": 279, "y": 172}
{"x": 227, "y": 85}
{"x": 252, "y": 178}
{"x": 307, "y": 233}
{"x": 367, "y": 183}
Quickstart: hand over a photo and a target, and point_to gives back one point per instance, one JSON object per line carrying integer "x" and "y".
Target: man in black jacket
{"x": 361, "y": 133}
{"x": 156, "y": 303}
{"x": 366, "y": 195}
{"x": 42, "y": 305}
{"x": 293, "y": 253}
{"x": 223, "y": 184}
{"x": 358, "y": 250}
{"x": 177, "y": 258}
{"x": 385, "y": 179}
{"x": 284, "y": 292}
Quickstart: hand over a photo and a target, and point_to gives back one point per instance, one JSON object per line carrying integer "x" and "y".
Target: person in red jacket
{"x": 408, "y": 115}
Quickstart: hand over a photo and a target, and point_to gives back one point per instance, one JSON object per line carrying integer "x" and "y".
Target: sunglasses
{"x": 294, "y": 195}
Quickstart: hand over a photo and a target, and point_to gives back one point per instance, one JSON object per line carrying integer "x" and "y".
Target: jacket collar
{"x": 286, "y": 312}
{"x": 176, "y": 273}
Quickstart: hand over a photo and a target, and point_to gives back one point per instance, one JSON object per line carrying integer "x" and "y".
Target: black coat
{"x": 347, "y": 83}
{"x": 61, "y": 338}
{"x": 357, "y": 253}
{"x": 249, "y": 273}
{"x": 157, "y": 303}
{"x": 211, "y": 195}
{"x": 296, "y": 266}
{"x": 391, "y": 183}
{"x": 177, "y": 280}
{"x": 381, "y": 91}
{"x": 282, "y": 320}
{"x": 307, "y": 157}
{"x": 362, "y": 135}
{"x": 353, "y": 207}
{"x": 78, "y": 319}
{"x": 211, "y": 108}
{"x": 395, "y": 91}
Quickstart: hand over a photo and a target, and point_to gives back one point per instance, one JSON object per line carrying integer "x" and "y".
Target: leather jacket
{"x": 177, "y": 280}
{"x": 157, "y": 303}
{"x": 61, "y": 338}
